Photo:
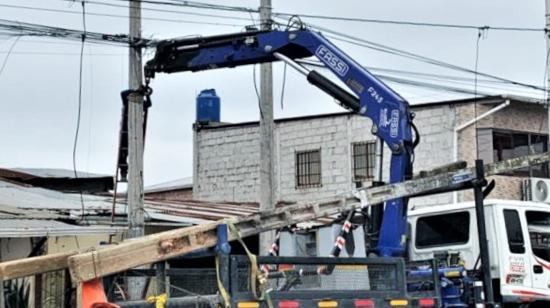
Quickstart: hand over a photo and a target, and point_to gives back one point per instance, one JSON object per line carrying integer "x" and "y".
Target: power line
{"x": 411, "y": 23}
{"x": 28, "y": 29}
{"x": 418, "y": 84}
{"x": 394, "y": 51}
{"x": 425, "y": 75}
{"x": 43, "y": 53}
{"x": 79, "y": 110}
{"x": 120, "y": 16}
{"x": 164, "y": 10}
{"x": 200, "y": 5}
{"x": 444, "y": 88}
{"x": 8, "y": 55}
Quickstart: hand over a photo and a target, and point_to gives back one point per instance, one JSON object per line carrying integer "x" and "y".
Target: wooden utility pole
{"x": 168, "y": 244}
{"x": 135, "y": 143}
{"x": 266, "y": 132}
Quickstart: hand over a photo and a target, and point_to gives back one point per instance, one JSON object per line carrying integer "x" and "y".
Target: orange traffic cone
{"x": 93, "y": 295}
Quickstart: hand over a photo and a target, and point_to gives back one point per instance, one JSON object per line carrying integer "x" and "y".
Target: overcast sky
{"x": 39, "y": 85}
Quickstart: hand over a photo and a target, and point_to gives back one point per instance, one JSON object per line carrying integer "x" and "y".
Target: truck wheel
{"x": 514, "y": 305}
{"x": 539, "y": 304}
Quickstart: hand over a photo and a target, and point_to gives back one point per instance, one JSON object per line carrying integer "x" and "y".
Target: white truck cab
{"x": 518, "y": 235}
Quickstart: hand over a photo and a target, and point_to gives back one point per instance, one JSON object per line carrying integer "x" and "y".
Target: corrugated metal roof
{"x": 170, "y": 185}
{"x": 203, "y": 211}
{"x": 41, "y": 227}
{"x": 58, "y": 173}
{"x": 184, "y": 212}
{"x": 39, "y": 198}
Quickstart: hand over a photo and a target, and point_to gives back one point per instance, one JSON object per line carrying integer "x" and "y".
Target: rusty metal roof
{"x": 202, "y": 210}
{"x": 207, "y": 211}
{"x": 52, "y": 204}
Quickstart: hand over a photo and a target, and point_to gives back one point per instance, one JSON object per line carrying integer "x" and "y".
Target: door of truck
{"x": 514, "y": 256}
{"x": 538, "y": 230}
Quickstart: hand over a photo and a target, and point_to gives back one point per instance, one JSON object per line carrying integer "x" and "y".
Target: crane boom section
{"x": 389, "y": 112}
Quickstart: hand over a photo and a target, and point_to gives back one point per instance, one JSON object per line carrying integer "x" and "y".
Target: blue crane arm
{"x": 389, "y": 112}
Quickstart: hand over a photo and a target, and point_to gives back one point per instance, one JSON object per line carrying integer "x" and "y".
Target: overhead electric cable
{"x": 200, "y": 5}
{"x": 36, "y": 30}
{"x": 409, "y": 23}
{"x": 164, "y": 10}
{"x": 5, "y": 62}
{"x": 386, "y": 49}
{"x": 79, "y": 110}
{"x": 420, "y": 84}
{"x": 120, "y": 16}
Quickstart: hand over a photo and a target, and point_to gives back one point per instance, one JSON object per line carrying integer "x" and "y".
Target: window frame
{"x": 518, "y": 224}
{"x": 297, "y": 173}
{"x": 510, "y": 133}
{"x": 456, "y": 243}
{"x": 369, "y": 170}
{"x": 536, "y": 237}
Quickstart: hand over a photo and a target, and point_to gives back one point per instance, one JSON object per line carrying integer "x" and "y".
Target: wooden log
{"x": 35, "y": 265}
{"x": 141, "y": 251}
{"x": 165, "y": 245}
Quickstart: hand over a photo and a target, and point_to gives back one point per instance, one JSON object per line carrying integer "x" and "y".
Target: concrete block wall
{"x": 227, "y": 164}
{"x": 228, "y": 156}
{"x": 435, "y": 125}
{"x": 332, "y": 135}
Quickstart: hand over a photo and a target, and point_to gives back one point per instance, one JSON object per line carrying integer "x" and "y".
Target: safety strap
{"x": 159, "y": 300}
{"x": 223, "y": 291}
{"x": 258, "y": 280}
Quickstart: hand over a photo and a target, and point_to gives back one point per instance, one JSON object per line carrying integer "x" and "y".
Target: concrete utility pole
{"x": 266, "y": 132}
{"x": 135, "y": 143}
{"x": 547, "y": 26}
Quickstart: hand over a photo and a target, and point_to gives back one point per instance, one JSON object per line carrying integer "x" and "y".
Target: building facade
{"x": 318, "y": 157}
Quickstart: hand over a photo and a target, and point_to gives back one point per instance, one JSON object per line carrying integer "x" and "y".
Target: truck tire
{"x": 539, "y": 304}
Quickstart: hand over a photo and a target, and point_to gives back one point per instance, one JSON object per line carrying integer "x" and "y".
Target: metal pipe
{"x": 466, "y": 124}
{"x": 482, "y": 233}
{"x": 379, "y": 159}
{"x": 210, "y": 300}
{"x": 304, "y": 71}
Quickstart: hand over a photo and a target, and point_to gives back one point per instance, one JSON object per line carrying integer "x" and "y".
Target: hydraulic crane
{"x": 370, "y": 97}
{"x": 449, "y": 284}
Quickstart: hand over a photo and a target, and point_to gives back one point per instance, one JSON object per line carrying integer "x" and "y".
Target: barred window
{"x": 363, "y": 160}
{"x": 308, "y": 168}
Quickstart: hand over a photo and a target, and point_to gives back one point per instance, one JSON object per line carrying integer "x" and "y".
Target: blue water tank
{"x": 208, "y": 106}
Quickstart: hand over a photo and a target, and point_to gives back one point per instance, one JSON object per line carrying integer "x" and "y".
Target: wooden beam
{"x": 35, "y": 265}
{"x": 165, "y": 245}
{"x": 162, "y": 246}
{"x": 140, "y": 251}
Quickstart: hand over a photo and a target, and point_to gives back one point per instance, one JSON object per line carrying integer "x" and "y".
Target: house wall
{"x": 516, "y": 117}
{"x": 435, "y": 125}
{"x": 228, "y": 157}
{"x": 54, "y": 284}
{"x": 177, "y": 194}
{"x": 227, "y": 164}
